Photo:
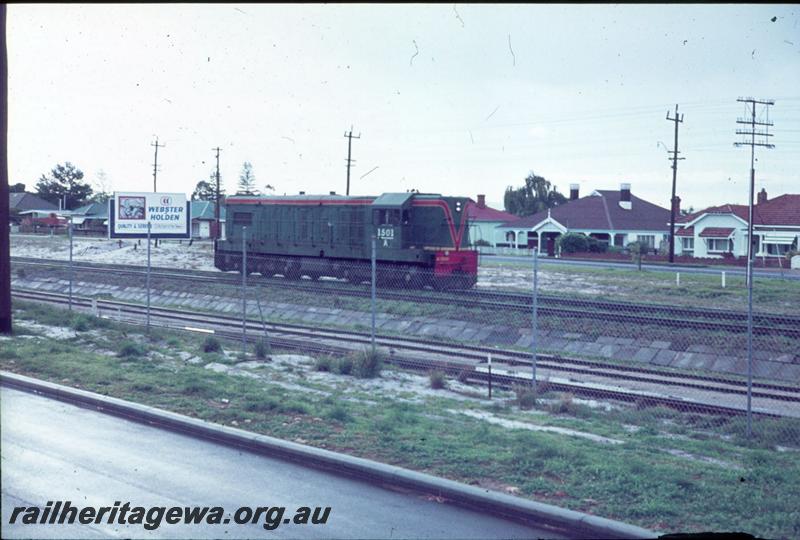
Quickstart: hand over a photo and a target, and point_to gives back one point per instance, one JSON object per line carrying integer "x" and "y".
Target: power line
{"x": 350, "y": 138}
{"x": 677, "y": 120}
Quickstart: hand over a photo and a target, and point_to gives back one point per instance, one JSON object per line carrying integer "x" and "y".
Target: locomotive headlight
{"x": 458, "y": 206}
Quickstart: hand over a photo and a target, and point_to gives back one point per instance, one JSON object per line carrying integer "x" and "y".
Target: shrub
{"x": 565, "y": 405}
{"x": 131, "y": 349}
{"x": 572, "y": 243}
{"x": 338, "y": 412}
{"x": 367, "y": 364}
{"x": 481, "y": 243}
{"x": 525, "y": 396}
{"x": 260, "y": 350}
{"x": 323, "y": 364}
{"x": 596, "y": 246}
{"x": 437, "y": 379}
{"x": 80, "y": 323}
{"x": 211, "y": 344}
{"x": 344, "y": 365}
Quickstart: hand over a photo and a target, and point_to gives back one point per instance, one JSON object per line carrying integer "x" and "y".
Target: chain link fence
{"x": 671, "y": 349}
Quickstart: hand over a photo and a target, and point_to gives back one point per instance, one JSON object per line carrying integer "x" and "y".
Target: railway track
{"x": 606, "y": 380}
{"x": 711, "y": 320}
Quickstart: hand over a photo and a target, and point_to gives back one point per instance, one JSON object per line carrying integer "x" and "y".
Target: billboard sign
{"x": 168, "y": 215}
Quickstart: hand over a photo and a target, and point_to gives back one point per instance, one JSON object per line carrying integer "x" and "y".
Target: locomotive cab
{"x": 391, "y": 222}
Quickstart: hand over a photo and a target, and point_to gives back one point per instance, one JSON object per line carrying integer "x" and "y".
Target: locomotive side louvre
{"x": 332, "y": 235}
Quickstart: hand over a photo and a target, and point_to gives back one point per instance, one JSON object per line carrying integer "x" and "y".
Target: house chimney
{"x": 762, "y": 196}
{"x": 625, "y": 196}
{"x": 481, "y": 201}
{"x": 333, "y": 193}
{"x": 573, "y": 191}
{"x": 676, "y": 204}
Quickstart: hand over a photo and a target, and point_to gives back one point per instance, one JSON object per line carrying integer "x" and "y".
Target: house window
{"x": 648, "y": 239}
{"x": 511, "y": 237}
{"x": 687, "y": 244}
{"x": 778, "y": 249}
{"x": 719, "y": 245}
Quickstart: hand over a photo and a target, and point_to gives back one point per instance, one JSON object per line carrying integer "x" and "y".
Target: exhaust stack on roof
{"x": 573, "y": 191}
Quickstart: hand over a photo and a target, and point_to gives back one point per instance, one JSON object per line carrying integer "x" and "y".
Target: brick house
{"x": 616, "y": 218}
{"x": 721, "y": 231}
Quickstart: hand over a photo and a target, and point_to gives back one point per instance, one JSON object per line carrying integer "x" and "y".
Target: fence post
{"x": 678, "y": 279}
{"x": 148, "y": 277}
{"x": 70, "y": 263}
{"x": 244, "y": 291}
{"x": 535, "y": 336}
{"x": 373, "y": 280}
{"x": 723, "y": 279}
{"x": 749, "y": 347}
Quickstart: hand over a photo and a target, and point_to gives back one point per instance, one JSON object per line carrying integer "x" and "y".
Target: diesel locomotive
{"x": 420, "y": 239}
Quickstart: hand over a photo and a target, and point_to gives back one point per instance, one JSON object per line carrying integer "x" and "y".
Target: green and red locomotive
{"x": 421, "y": 239}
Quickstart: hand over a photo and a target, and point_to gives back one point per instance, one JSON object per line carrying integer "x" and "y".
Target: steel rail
{"x": 474, "y": 353}
{"x": 769, "y": 324}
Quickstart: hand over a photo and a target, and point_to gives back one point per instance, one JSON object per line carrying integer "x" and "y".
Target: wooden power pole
{"x": 677, "y": 120}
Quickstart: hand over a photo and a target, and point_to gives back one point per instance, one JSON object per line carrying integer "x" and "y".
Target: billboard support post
{"x": 148, "y": 277}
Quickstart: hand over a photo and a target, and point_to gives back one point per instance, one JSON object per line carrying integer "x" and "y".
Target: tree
{"x": 638, "y": 251}
{"x": 17, "y": 188}
{"x": 64, "y": 182}
{"x": 206, "y": 190}
{"x": 247, "y": 180}
{"x": 536, "y": 195}
{"x": 102, "y": 187}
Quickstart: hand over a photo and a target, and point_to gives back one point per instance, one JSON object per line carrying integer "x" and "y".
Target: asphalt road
{"x": 55, "y": 451}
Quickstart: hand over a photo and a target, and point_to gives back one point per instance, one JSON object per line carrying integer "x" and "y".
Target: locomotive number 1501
{"x": 385, "y": 233}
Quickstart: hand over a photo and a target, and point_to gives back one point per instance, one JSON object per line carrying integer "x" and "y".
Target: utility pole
{"x": 752, "y": 143}
{"x": 216, "y": 199}
{"x": 677, "y": 120}
{"x": 155, "y": 162}
{"x": 752, "y": 134}
{"x": 5, "y": 240}
{"x": 350, "y": 138}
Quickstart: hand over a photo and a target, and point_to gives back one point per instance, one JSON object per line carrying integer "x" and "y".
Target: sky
{"x": 446, "y": 98}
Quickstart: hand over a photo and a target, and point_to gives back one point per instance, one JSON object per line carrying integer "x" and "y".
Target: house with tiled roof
{"x": 483, "y": 220}
{"x": 721, "y": 231}
{"x": 92, "y": 217}
{"x": 616, "y": 218}
{"x": 22, "y": 205}
{"x": 203, "y": 219}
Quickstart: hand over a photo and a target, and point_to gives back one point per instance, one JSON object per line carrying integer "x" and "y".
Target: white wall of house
{"x": 518, "y": 238}
{"x": 483, "y": 230}
{"x": 704, "y": 247}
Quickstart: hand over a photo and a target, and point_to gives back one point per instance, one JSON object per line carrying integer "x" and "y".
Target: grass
{"x": 637, "y": 481}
